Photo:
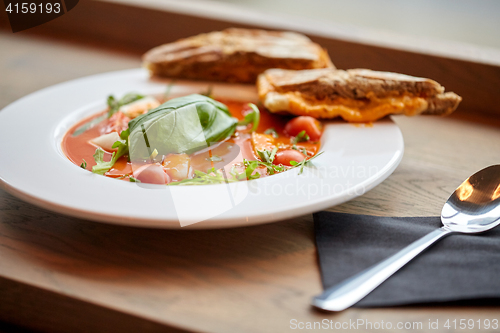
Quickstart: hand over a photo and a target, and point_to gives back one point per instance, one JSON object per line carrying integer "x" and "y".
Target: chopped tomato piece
{"x": 117, "y": 123}
{"x": 286, "y": 156}
{"x": 304, "y": 123}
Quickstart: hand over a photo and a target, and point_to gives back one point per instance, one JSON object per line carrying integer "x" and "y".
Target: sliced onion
{"x": 106, "y": 141}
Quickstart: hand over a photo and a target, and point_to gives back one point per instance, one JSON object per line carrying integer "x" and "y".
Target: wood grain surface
{"x": 60, "y": 274}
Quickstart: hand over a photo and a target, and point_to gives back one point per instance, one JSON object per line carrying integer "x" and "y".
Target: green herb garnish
{"x": 303, "y": 163}
{"x": 130, "y": 178}
{"x": 133, "y": 180}
{"x": 251, "y": 118}
{"x": 250, "y": 167}
{"x": 301, "y": 137}
{"x": 114, "y": 104}
{"x": 102, "y": 166}
{"x": 271, "y": 168}
{"x": 271, "y": 131}
{"x": 84, "y": 164}
{"x": 213, "y": 176}
{"x": 206, "y": 178}
{"x": 267, "y": 155}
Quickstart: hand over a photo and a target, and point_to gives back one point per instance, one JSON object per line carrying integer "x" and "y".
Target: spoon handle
{"x": 352, "y": 290}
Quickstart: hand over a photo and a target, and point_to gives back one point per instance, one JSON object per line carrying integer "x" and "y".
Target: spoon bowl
{"x": 475, "y": 205}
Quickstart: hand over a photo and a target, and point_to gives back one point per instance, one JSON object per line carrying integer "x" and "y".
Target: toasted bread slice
{"x": 235, "y": 55}
{"x": 357, "y": 95}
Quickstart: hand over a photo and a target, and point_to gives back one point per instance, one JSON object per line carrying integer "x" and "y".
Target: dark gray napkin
{"x": 457, "y": 268}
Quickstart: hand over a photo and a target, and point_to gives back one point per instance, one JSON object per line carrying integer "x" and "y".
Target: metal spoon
{"x": 473, "y": 207}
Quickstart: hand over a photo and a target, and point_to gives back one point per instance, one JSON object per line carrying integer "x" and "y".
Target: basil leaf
{"x": 180, "y": 125}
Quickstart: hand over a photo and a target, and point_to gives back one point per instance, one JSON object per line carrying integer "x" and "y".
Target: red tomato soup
{"x": 277, "y": 132}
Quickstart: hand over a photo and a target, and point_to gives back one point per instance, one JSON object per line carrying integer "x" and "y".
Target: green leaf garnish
{"x": 219, "y": 177}
{"x": 250, "y": 168}
{"x": 180, "y": 125}
{"x": 251, "y": 118}
{"x": 117, "y": 144}
{"x": 301, "y": 137}
{"x": 213, "y": 176}
{"x": 239, "y": 176}
{"x": 102, "y": 166}
{"x": 206, "y": 178}
{"x": 267, "y": 155}
{"x": 133, "y": 180}
{"x": 303, "y": 163}
{"x": 271, "y": 131}
{"x": 124, "y": 135}
{"x": 114, "y": 104}
{"x": 84, "y": 164}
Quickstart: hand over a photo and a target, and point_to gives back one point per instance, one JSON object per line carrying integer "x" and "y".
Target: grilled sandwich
{"x": 356, "y": 95}
{"x": 235, "y": 55}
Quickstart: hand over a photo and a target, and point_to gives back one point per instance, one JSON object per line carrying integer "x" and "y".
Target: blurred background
{"x": 470, "y": 21}
{"x": 455, "y": 42}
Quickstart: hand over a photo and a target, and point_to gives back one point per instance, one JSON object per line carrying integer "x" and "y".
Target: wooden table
{"x": 60, "y": 274}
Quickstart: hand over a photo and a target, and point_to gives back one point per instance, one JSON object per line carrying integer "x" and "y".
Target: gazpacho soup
{"x": 190, "y": 140}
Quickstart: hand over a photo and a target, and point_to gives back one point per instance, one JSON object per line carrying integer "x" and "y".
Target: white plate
{"x": 33, "y": 167}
